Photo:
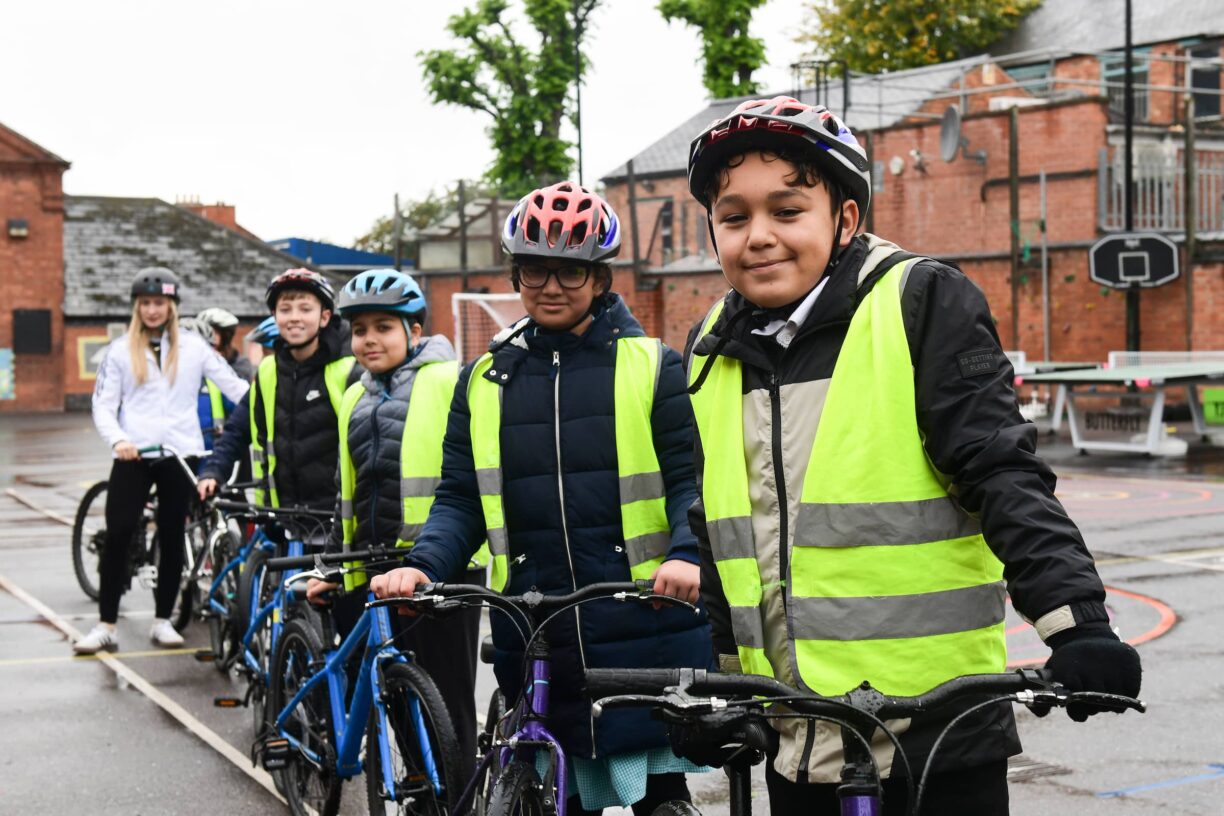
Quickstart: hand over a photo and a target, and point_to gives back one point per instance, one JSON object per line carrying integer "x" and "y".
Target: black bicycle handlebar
{"x": 428, "y": 594}
{"x": 262, "y": 512}
{"x": 647, "y": 683}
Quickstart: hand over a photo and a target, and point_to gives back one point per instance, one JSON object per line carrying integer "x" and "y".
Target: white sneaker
{"x": 163, "y": 634}
{"x": 100, "y": 637}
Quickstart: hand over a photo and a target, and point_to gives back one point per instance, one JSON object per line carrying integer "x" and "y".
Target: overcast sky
{"x": 310, "y": 115}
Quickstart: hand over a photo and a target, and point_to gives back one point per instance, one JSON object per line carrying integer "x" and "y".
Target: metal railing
{"x": 1158, "y": 179}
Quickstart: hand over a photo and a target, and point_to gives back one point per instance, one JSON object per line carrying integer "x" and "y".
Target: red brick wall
{"x": 32, "y": 274}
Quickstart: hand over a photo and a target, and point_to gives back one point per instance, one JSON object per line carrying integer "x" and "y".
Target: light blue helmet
{"x": 382, "y": 290}
{"x": 266, "y": 333}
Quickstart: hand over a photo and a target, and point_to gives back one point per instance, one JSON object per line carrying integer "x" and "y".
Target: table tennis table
{"x": 1140, "y": 389}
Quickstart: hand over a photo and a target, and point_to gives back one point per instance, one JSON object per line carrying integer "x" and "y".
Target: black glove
{"x": 1090, "y": 657}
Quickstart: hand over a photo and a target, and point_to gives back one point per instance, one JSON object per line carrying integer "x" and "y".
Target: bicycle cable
{"x": 926, "y": 768}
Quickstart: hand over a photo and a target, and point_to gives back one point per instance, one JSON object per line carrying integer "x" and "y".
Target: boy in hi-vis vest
{"x": 868, "y": 490}
{"x": 391, "y": 428}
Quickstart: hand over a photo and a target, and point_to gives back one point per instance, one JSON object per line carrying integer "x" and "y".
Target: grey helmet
{"x": 156, "y": 280}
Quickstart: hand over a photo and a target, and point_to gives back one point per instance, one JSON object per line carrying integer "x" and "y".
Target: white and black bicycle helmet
{"x": 782, "y": 124}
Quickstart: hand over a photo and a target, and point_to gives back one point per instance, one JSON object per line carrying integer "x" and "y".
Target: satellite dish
{"x": 952, "y": 142}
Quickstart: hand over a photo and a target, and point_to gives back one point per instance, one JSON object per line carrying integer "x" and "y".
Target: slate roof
{"x": 1078, "y": 26}
{"x": 106, "y": 240}
{"x": 876, "y": 101}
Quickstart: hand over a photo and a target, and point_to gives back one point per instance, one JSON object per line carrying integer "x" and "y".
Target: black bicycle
{"x": 727, "y": 714}
{"x": 207, "y": 537}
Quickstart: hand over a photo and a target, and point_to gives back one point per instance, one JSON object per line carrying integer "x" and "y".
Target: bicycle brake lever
{"x": 652, "y": 597}
{"x": 1107, "y": 702}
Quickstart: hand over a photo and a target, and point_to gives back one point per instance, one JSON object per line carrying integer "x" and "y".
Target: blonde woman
{"x": 145, "y": 396}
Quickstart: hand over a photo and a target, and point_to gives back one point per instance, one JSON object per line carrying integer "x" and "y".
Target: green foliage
{"x": 891, "y": 35}
{"x": 525, "y": 89}
{"x": 728, "y": 53}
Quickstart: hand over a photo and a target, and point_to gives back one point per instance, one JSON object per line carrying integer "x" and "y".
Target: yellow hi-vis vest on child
{"x": 420, "y": 459}
{"x": 890, "y": 580}
{"x": 263, "y": 451}
{"x": 642, "y": 492}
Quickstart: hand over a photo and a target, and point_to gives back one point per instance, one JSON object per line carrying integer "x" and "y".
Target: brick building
{"x": 1069, "y": 105}
{"x": 31, "y": 279}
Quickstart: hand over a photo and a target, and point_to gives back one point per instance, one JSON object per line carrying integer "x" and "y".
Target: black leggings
{"x": 660, "y": 788}
{"x": 126, "y": 494}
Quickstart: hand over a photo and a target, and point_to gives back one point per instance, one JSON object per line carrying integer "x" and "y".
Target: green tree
{"x": 728, "y": 53}
{"x": 891, "y": 35}
{"x": 524, "y": 89}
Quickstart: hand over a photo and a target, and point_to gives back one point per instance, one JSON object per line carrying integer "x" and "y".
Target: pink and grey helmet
{"x": 565, "y": 221}
{"x": 782, "y": 123}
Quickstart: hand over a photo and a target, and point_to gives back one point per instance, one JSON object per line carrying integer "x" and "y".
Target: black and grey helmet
{"x": 156, "y": 280}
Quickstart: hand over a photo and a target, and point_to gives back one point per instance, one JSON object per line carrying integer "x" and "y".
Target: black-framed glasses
{"x": 535, "y": 276}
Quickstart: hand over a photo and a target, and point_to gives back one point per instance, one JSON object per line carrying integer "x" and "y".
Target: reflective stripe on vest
{"x": 216, "y": 406}
{"x": 420, "y": 457}
{"x": 890, "y": 580}
{"x": 644, "y": 523}
{"x": 263, "y": 451}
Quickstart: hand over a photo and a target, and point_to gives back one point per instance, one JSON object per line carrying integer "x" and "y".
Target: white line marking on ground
{"x": 137, "y": 681}
{"x": 8, "y": 491}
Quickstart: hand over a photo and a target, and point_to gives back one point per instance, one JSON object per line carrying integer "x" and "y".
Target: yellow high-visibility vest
{"x": 890, "y": 579}
{"x": 263, "y": 451}
{"x": 643, "y": 495}
{"x": 420, "y": 459}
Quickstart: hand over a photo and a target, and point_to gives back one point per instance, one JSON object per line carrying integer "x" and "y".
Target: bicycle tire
{"x": 251, "y": 588}
{"x": 306, "y": 787}
{"x": 676, "y": 807}
{"x": 223, "y": 634}
{"x": 404, "y": 682}
{"x": 517, "y": 792}
{"x": 484, "y": 785}
{"x": 184, "y": 602}
{"x": 87, "y": 549}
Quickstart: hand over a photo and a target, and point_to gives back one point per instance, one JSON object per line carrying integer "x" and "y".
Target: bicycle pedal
{"x": 205, "y": 656}
{"x": 276, "y": 754}
{"x": 228, "y": 702}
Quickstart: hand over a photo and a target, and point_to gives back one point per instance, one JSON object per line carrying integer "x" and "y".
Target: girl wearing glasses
{"x": 569, "y": 447}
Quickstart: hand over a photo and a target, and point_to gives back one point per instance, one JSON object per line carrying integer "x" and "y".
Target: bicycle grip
{"x": 612, "y": 682}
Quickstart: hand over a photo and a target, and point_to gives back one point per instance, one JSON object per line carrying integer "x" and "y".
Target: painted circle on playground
{"x": 1138, "y": 619}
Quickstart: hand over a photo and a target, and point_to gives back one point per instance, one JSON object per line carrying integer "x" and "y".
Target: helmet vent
{"x": 554, "y": 233}
{"x": 532, "y": 229}
{"x": 585, "y": 204}
{"x": 560, "y": 204}
{"x": 579, "y": 234}
{"x": 539, "y": 201}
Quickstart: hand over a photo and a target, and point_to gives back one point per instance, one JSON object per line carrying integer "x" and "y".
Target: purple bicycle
{"x": 516, "y": 742}
{"x": 727, "y": 712}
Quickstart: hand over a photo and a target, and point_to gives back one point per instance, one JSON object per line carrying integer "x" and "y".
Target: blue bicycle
{"x": 321, "y": 719}
{"x": 249, "y": 608}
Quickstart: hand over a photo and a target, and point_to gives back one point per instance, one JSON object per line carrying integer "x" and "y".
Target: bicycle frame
{"x": 275, "y": 607}
{"x": 373, "y": 630}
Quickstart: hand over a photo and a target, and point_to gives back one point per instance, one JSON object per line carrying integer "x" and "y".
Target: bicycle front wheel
{"x": 309, "y": 784}
{"x": 88, "y": 538}
{"x": 423, "y": 753}
{"x": 517, "y": 792}
{"x": 223, "y": 634}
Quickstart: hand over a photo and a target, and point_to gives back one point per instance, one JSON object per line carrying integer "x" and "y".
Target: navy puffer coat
{"x": 555, "y": 555}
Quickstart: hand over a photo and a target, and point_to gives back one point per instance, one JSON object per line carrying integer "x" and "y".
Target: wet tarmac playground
{"x": 137, "y": 733}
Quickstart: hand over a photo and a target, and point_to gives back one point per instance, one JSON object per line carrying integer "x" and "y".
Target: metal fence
{"x": 1158, "y": 182}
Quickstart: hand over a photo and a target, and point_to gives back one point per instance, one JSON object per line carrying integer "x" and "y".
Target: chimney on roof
{"x": 219, "y": 213}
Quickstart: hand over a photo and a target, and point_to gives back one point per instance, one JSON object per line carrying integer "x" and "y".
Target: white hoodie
{"x": 159, "y": 412}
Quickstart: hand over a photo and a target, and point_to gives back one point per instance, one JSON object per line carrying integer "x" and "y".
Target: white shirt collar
{"x": 784, "y": 331}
